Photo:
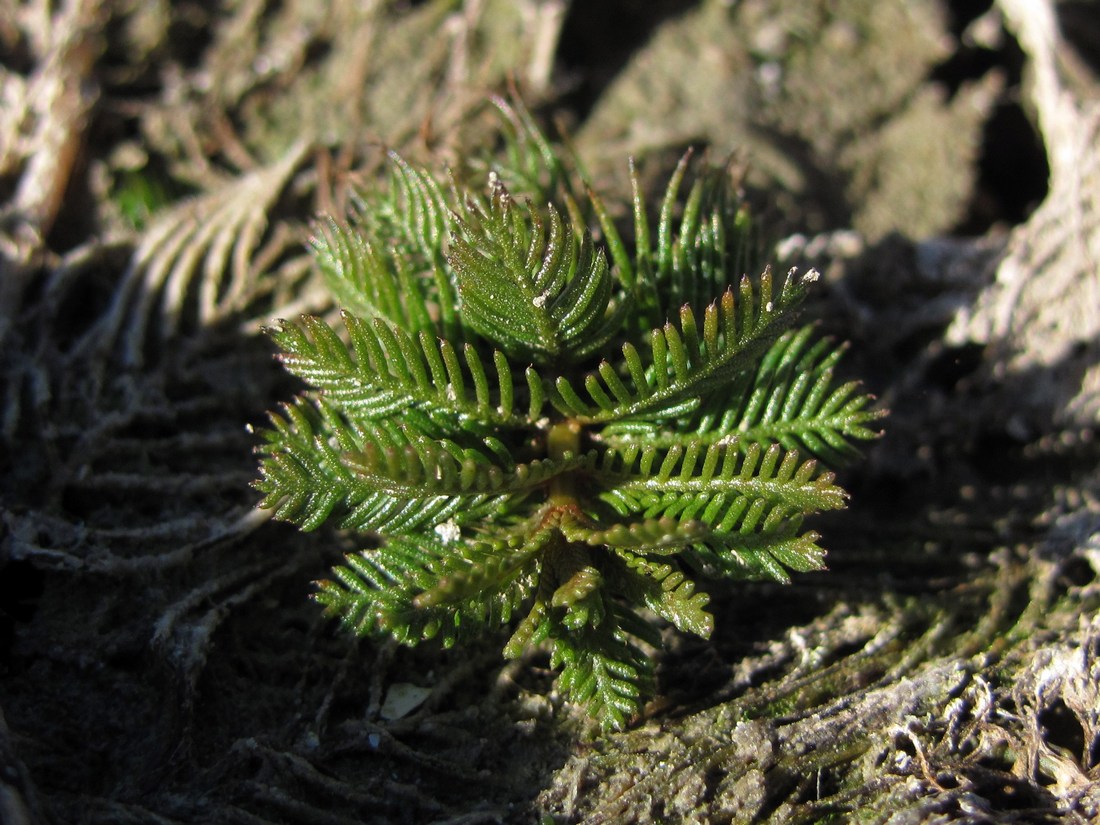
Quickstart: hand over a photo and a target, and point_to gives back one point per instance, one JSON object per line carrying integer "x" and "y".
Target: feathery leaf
{"x": 397, "y": 589}
{"x": 686, "y": 363}
{"x": 536, "y": 291}
{"x": 791, "y": 399}
{"x": 602, "y": 670}
{"x": 316, "y": 465}
{"x": 718, "y": 485}
{"x": 388, "y": 370}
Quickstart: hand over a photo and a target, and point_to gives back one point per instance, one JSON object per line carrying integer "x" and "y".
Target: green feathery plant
{"x": 545, "y": 429}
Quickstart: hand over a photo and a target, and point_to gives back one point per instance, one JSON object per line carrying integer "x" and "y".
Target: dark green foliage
{"x": 551, "y": 432}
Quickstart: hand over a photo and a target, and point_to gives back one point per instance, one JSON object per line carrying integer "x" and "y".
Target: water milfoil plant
{"x": 552, "y": 434}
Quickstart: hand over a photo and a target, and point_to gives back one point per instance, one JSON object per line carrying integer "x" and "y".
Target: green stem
{"x": 564, "y": 439}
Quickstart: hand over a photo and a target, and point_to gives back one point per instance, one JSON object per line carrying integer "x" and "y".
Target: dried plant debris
{"x": 1042, "y": 311}
{"x": 860, "y": 733}
{"x": 46, "y": 114}
{"x": 201, "y": 262}
{"x": 345, "y": 73}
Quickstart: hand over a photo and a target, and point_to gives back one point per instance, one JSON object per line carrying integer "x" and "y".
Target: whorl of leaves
{"x": 550, "y": 431}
